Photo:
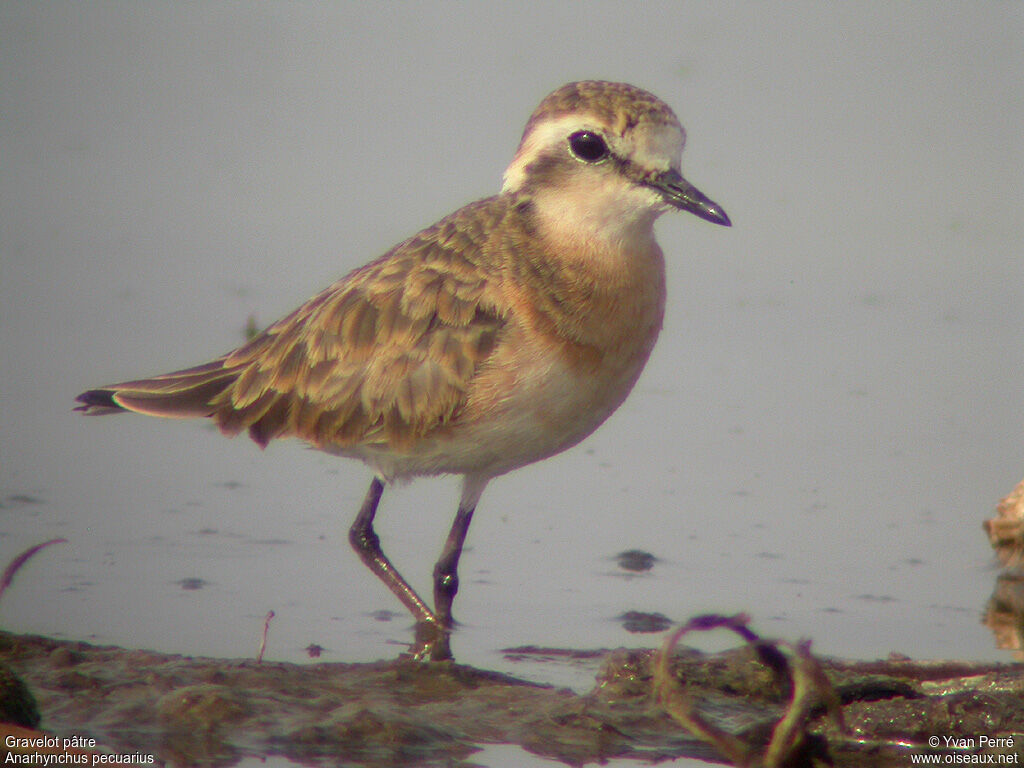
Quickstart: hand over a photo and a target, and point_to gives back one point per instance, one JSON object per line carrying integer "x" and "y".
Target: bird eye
{"x": 588, "y": 147}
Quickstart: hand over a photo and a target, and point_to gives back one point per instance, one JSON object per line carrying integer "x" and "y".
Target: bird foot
{"x": 430, "y": 643}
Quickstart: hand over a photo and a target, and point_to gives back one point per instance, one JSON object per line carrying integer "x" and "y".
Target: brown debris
{"x": 1006, "y": 530}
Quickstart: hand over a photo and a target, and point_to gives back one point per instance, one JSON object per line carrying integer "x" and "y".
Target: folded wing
{"x": 385, "y": 355}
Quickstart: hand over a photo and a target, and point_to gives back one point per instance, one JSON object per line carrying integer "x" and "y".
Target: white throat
{"x": 606, "y": 219}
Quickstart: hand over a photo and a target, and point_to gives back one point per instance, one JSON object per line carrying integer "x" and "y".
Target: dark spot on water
{"x": 313, "y": 650}
{"x": 874, "y": 300}
{"x": 542, "y": 653}
{"x": 636, "y": 560}
{"x": 78, "y": 586}
{"x": 192, "y": 583}
{"x": 384, "y": 615}
{"x": 639, "y": 622}
{"x": 20, "y": 500}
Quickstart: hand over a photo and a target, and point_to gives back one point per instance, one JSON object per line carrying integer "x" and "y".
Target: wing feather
{"x": 384, "y": 356}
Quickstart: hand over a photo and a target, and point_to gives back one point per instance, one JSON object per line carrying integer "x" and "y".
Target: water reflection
{"x": 1004, "y": 612}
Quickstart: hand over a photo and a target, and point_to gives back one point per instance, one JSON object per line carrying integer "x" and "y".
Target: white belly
{"x": 527, "y": 405}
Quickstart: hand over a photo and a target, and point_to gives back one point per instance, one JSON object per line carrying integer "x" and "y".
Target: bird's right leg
{"x": 365, "y": 542}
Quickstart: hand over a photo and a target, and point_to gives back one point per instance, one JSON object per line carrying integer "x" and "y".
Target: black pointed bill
{"x": 683, "y": 195}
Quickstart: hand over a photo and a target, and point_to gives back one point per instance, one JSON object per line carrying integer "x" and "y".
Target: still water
{"x": 832, "y": 410}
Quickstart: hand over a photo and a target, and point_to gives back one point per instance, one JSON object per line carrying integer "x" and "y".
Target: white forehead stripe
{"x": 654, "y": 146}
{"x": 542, "y": 136}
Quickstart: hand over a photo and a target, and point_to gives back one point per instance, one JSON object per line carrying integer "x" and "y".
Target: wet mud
{"x": 194, "y": 711}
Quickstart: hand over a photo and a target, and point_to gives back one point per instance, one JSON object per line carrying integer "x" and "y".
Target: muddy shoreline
{"x": 198, "y": 711}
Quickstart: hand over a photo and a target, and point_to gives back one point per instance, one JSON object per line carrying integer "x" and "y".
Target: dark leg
{"x": 366, "y": 544}
{"x": 446, "y": 576}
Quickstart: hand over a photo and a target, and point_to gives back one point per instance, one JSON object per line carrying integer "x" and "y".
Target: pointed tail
{"x": 181, "y": 394}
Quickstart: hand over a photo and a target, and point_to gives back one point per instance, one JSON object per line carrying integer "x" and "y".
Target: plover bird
{"x": 501, "y": 335}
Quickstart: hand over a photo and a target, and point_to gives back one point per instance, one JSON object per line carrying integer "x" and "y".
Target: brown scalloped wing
{"x": 384, "y": 356}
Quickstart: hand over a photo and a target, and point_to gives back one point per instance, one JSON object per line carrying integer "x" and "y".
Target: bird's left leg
{"x": 446, "y": 576}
